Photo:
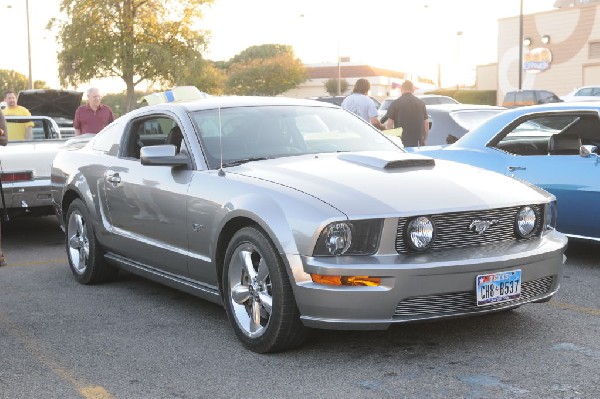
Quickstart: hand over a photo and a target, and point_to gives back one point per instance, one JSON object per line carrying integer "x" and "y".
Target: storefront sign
{"x": 537, "y": 60}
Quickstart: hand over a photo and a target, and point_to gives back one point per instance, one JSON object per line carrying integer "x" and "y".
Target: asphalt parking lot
{"x": 136, "y": 339}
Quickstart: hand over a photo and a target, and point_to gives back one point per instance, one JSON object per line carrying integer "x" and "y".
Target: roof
{"x": 351, "y": 71}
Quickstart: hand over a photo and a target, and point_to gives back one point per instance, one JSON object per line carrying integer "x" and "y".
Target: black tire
{"x": 255, "y": 283}
{"x": 83, "y": 250}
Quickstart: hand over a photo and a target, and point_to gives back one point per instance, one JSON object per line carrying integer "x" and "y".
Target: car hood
{"x": 366, "y": 184}
{"x": 53, "y": 103}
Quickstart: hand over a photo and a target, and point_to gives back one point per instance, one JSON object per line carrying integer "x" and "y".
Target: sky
{"x": 412, "y": 36}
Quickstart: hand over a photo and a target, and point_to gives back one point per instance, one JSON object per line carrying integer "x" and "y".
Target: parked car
{"x": 585, "y": 93}
{"x": 554, "y": 146}
{"x": 57, "y": 104}
{"x": 26, "y": 166}
{"x": 521, "y": 98}
{"x": 449, "y": 122}
{"x": 428, "y": 99}
{"x": 296, "y": 214}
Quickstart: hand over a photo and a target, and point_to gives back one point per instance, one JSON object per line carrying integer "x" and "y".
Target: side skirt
{"x": 192, "y": 287}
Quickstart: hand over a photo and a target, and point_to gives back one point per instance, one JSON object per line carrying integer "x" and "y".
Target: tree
{"x": 205, "y": 75}
{"x": 16, "y": 81}
{"x": 331, "y": 86}
{"x": 135, "y": 40}
{"x": 266, "y": 70}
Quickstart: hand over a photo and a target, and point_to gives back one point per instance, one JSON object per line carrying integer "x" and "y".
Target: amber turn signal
{"x": 346, "y": 280}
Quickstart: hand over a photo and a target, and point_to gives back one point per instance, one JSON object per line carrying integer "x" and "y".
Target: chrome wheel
{"x": 78, "y": 243}
{"x": 251, "y": 292}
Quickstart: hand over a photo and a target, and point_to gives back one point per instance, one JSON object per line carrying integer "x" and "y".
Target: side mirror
{"x": 587, "y": 151}
{"x": 162, "y": 155}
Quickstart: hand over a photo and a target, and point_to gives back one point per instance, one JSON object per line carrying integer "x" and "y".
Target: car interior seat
{"x": 175, "y": 137}
{"x": 564, "y": 144}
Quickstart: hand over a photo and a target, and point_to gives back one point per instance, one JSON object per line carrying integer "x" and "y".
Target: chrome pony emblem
{"x": 479, "y": 226}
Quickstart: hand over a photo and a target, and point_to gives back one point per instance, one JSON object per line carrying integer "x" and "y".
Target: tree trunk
{"x": 130, "y": 94}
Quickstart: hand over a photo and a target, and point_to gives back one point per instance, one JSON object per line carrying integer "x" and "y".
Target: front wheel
{"x": 258, "y": 295}
{"x": 83, "y": 250}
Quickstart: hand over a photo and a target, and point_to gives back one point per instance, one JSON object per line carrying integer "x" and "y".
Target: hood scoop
{"x": 388, "y": 160}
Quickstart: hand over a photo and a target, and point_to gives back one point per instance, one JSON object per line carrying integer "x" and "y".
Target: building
{"x": 561, "y": 49}
{"x": 384, "y": 82}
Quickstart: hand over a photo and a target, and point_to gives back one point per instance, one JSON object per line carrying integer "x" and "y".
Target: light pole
{"x": 28, "y": 44}
{"x": 30, "y": 82}
{"x": 521, "y": 47}
{"x": 458, "y": 35}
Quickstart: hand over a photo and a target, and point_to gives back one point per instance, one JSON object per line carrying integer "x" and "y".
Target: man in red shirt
{"x": 94, "y": 116}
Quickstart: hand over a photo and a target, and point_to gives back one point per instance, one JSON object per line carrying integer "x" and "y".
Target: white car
{"x": 585, "y": 93}
{"x": 428, "y": 99}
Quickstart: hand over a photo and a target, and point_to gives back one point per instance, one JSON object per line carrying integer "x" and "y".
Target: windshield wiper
{"x": 243, "y": 160}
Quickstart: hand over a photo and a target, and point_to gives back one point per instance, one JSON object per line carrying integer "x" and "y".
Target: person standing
{"x": 16, "y": 130}
{"x": 409, "y": 113}
{"x": 360, "y": 104}
{"x": 3, "y": 142}
{"x": 93, "y": 116}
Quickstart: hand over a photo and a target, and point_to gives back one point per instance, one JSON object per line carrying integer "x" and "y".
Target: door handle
{"x": 114, "y": 179}
{"x": 513, "y": 168}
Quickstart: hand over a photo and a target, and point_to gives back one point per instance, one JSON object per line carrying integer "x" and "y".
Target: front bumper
{"x": 426, "y": 286}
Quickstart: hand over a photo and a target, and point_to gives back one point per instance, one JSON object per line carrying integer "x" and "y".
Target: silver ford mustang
{"x": 295, "y": 214}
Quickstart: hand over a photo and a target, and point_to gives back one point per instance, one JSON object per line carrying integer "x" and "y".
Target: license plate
{"x": 498, "y": 287}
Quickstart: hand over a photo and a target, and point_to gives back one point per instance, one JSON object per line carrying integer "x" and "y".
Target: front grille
{"x": 465, "y": 302}
{"x": 452, "y": 229}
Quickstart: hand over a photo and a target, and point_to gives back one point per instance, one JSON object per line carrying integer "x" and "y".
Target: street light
{"x": 458, "y": 35}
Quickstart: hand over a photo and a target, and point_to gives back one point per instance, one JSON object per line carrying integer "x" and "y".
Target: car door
{"x": 147, "y": 203}
{"x": 572, "y": 178}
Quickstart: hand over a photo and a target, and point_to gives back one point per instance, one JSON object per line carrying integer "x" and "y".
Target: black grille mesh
{"x": 452, "y": 229}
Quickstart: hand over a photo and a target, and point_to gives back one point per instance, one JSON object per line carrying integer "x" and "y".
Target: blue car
{"x": 554, "y": 146}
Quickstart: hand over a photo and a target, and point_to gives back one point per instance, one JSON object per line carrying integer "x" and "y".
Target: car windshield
{"x": 469, "y": 119}
{"x": 235, "y": 135}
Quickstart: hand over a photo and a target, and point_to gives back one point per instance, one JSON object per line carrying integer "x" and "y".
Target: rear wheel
{"x": 258, "y": 295}
{"x": 83, "y": 250}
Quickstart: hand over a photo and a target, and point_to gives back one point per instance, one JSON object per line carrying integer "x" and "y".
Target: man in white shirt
{"x": 360, "y": 104}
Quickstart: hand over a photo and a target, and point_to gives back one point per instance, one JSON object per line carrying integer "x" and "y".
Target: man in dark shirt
{"x": 409, "y": 113}
{"x": 94, "y": 116}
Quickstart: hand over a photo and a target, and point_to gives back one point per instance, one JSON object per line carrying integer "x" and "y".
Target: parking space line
{"x": 36, "y": 262}
{"x": 44, "y": 357}
{"x": 575, "y": 308}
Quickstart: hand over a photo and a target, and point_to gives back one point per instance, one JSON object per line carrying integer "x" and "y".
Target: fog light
{"x": 526, "y": 221}
{"x": 420, "y": 233}
{"x": 360, "y": 281}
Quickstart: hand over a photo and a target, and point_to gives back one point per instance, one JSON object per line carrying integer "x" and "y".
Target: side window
{"x": 533, "y": 136}
{"x": 150, "y": 131}
{"x": 108, "y": 140}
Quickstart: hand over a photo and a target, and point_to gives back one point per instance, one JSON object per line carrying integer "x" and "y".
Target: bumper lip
{"x": 420, "y": 278}
{"x": 30, "y": 194}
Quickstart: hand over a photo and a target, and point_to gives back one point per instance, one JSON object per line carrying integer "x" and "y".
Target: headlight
{"x": 358, "y": 237}
{"x": 550, "y": 216}
{"x": 526, "y": 222}
{"x": 420, "y": 233}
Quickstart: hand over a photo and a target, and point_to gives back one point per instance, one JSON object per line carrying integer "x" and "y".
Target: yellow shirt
{"x": 16, "y": 131}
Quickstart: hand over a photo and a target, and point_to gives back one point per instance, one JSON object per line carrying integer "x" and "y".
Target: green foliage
{"x": 266, "y": 70}
{"x": 205, "y": 75}
{"x": 331, "y": 86}
{"x": 486, "y": 97}
{"x": 15, "y": 81}
{"x": 135, "y": 40}
{"x": 12, "y": 80}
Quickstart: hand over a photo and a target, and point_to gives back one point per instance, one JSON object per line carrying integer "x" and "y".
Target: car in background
{"x": 554, "y": 146}
{"x": 585, "y": 93}
{"x": 521, "y": 98}
{"x": 59, "y": 105}
{"x": 296, "y": 214}
{"x": 428, "y": 99}
{"x": 449, "y": 122}
{"x": 25, "y": 171}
